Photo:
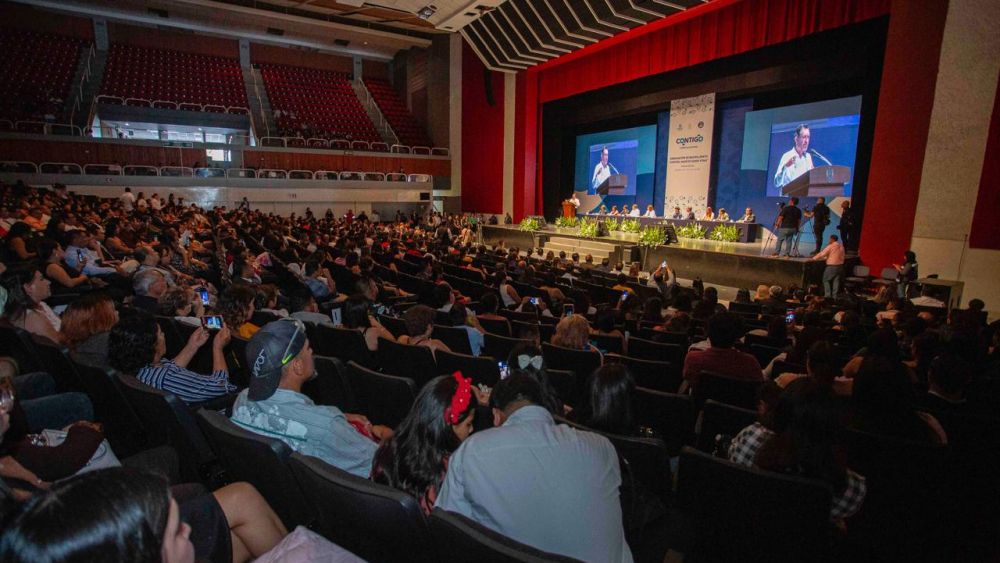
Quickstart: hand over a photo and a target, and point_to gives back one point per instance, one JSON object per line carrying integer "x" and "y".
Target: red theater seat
{"x": 402, "y": 121}
{"x": 172, "y": 76}
{"x": 322, "y": 101}
{"x": 37, "y": 69}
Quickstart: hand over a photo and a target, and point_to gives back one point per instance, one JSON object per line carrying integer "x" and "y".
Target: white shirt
{"x": 601, "y": 173}
{"x": 650, "y": 213}
{"x": 635, "y": 212}
{"x": 549, "y": 486}
{"x": 786, "y": 174}
{"x": 833, "y": 253}
{"x": 128, "y": 200}
{"x": 155, "y": 203}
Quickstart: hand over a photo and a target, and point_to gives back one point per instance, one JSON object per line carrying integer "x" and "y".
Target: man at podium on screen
{"x": 602, "y": 171}
{"x": 796, "y": 161}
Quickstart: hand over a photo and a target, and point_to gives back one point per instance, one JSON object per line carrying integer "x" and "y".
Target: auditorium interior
{"x": 499, "y": 280}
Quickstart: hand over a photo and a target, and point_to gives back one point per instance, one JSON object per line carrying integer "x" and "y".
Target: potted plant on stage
{"x": 651, "y": 237}
{"x": 725, "y": 233}
{"x": 589, "y": 228}
{"x": 692, "y": 230}
{"x": 630, "y": 228}
{"x": 566, "y": 222}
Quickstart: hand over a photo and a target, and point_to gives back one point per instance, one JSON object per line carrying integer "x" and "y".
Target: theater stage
{"x": 718, "y": 263}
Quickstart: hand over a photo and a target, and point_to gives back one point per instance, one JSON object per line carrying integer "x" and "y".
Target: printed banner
{"x": 689, "y": 154}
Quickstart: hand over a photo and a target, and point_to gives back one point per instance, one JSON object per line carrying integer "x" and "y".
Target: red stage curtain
{"x": 985, "y": 225}
{"x": 715, "y": 30}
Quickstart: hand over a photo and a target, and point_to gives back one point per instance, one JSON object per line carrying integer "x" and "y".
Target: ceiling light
{"x": 427, "y": 11}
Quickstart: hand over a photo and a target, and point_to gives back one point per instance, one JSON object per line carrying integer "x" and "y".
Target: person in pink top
{"x": 833, "y": 253}
{"x": 721, "y": 358}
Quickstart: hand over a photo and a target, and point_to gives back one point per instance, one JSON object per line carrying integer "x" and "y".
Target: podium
{"x": 569, "y": 210}
{"x": 822, "y": 181}
{"x": 614, "y": 185}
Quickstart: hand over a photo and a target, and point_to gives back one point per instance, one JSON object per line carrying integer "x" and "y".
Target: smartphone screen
{"x": 568, "y": 310}
{"x": 79, "y": 255}
{"x": 790, "y": 317}
{"x": 624, "y": 295}
{"x": 204, "y": 296}
{"x": 504, "y": 372}
{"x": 534, "y": 301}
{"x": 663, "y": 264}
{"x": 336, "y": 315}
{"x": 212, "y": 322}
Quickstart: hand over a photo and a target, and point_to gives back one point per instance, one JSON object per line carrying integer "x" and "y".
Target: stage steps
{"x": 599, "y": 250}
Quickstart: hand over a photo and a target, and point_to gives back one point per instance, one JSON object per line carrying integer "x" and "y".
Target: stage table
{"x": 748, "y": 231}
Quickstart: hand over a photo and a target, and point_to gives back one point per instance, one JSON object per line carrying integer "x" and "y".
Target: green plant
{"x": 530, "y": 224}
{"x": 588, "y": 228}
{"x": 692, "y": 230}
{"x": 725, "y": 233}
{"x": 652, "y": 235}
{"x": 566, "y": 222}
{"x": 612, "y": 224}
{"x": 631, "y": 226}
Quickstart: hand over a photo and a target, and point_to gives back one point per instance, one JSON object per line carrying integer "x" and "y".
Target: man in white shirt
{"x": 650, "y": 212}
{"x": 635, "y": 211}
{"x": 549, "y": 486}
{"x": 601, "y": 171}
{"x": 128, "y": 200}
{"x": 834, "y": 256}
{"x": 796, "y": 161}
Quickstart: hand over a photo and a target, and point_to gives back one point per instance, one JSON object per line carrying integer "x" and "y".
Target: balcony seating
{"x": 37, "y": 69}
{"x": 319, "y": 101}
{"x": 394, "y": 109}
{"x": 173, "y": 76}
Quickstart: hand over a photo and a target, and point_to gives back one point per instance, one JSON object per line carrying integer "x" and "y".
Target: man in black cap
{"x": 281, "y": 361}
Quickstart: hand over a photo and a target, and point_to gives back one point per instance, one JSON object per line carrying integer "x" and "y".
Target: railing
{"x": 140, "y": 170}
{"x": 260, "y": 103}
{"x": 102, "y": 170}
{"x": 18, "y": 167}
{"x": 168, "y": 104}
{"x": 44, "y": 128}
{"x": 84, "y": 78}
{"x": 23, "y": 167}
{"x": 177, "y": 171}
{"x": 381, "y": 123}
{"x": 59, "y": 168}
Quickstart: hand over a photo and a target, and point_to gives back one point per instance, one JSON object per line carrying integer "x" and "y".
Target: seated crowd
{"x": 229, "y": 310}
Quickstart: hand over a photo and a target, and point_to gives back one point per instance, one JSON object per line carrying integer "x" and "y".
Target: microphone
{"x": 613, "y": 168}
{"x": 825, "y": 159}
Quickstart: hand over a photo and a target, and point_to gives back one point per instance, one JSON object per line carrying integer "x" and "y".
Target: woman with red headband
{"x": 415, "y": 459}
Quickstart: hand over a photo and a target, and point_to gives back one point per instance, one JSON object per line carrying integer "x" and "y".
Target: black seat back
{"x": 643, "y": 349}
{"x": 395, "y": 325}
{"x": 345, "y": 344}
{"x": 122, "y": 426}
{"x": 375, "y": 522}
{"x": 483, "y": 369}
{"x": 764, "y": 353}
{"x": 720, "y": 419}
{"x": 496, "y": 326}
{"x": 581, "y": 362}
{"x": 236, "y": 361}
{"x": 670, "y": 415}
{"x": 744, "y": 514}
{"x": 462, "y": 540}
{"x": 662, "y": 376}
{"x": 737, "y": 392}
{"x": 17, "y": 344}
{"x": 404, "y": 360}
{"x": 388, "y": 398}
{"x": 331, "y": 386}
{"x": 609, "y": 344}
{"x": 499, "y": 346}
{"x": 169, "y": 422}
{"x": 56, "y": 362}
{"x": 454, "y": 337}
{"x": 261, "y": 461}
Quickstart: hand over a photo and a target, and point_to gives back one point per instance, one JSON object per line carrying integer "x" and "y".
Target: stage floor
{"x": 729, "y": 264}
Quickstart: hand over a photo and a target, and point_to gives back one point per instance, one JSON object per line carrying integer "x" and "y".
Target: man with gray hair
{"x": 148, "y": 286}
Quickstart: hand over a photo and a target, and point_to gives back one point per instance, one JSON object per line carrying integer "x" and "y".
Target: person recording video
{"x": 796, "y": 161}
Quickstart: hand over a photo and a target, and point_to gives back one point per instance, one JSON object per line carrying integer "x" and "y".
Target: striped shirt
{"x": 187, "y": 385}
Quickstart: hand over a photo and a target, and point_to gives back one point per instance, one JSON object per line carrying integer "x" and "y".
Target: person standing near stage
{"x": 834, "y": 272}
{"x": 788, "y": 224}
{"x": 821, "y": 218}
{"x": 848, "y": 225}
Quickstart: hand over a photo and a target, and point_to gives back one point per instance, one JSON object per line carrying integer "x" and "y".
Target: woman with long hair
{"x": 528, "y": 359}
{"x": 64, "y": 278}
{"x": 236, "y": 305}
{"x": 573, "y": 333}
{"x": 415, "y": 459}
{"x": 27, "y": 290}
{"x": 357, "y": 316}
{"x": 611, "y": 410}
{"x": 86, "y": 325}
